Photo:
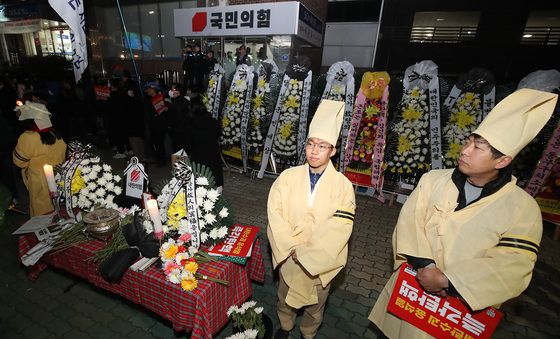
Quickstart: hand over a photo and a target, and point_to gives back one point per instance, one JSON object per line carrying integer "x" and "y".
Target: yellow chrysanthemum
{"x": 462, "y": 118}
{"x": 189, "y": 284}
{"x": 258, "y": 101}
{"x": 291, "y": 102}
{"x": 256, "y": 122}
{"x": 410, "y": 113}
{"x": 191, "y": 266}
{"x": 293, "y": 82}
{"x": 233, "y": 100}
{"x": 77, "y": 182}
{"x": 177, "y": 210}
{"x": 454, "y": 150}
{"x": 286, "y": 130}
{"x": 239, "y": 82}
{"x": 225, "y": 122}
{"x": 415, "y": 92}
{"x": 338, "y": 88}
{"x": 170, "y": 252}
{"x": 404, "y": 144}
{"x": 211, "y": 83}
{"x": 261, "y": 83}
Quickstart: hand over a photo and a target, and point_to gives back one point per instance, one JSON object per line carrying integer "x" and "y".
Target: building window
{"x": 444, "y": 27}
{"x": 542, "y": 28}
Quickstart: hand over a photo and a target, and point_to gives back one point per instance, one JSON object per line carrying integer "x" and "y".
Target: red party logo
{"x": 134, "y": 175}
{"x": 199, "y": 22}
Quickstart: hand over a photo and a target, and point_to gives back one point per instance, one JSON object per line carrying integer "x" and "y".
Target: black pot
{"x": 267, "y": 322}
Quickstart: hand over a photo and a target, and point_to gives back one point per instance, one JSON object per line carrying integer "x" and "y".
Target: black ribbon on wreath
{"x": 141, "y": 243}
{"x": 415, "y": 76}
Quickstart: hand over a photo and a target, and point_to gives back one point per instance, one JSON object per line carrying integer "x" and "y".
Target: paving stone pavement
{"x": 59, "y": 306}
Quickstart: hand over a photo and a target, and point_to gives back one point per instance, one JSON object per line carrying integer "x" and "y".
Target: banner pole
{"x": 129, "y": 47}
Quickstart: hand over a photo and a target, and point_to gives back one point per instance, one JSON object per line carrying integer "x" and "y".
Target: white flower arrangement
{"x": 213, "y": 215}
{"x": 231, "y": 121}
{"x": 247, "y": 334}
{"x": 258, "y": 114}
{"x": 410, "y": 152}
{"x": 93, "y": 185}
{"x": 464, "y": 118}
{"x": 285, "y": 140}
{"x": 247, "y": 317}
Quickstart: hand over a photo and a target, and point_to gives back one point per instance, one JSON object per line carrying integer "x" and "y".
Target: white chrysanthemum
{"x": 208, "y": 205}
{"x": 107, "y": 168}
{"x": 91, "y": 186}
{"x": 202, "y": 181}
{"x": 199, "y": 201}
{"x": 180, "y": 257}
{"x": 117, "y": 190}
{"x": 201, "y": 224}
{"x": 214, "y": 234}
{"x": 231, "y": 309}
{"x": 102, "y": 181}
{"x": 224, "y": 213}
{"x": 213, "y": 194}
{"x": 117, "y": 178}
{"x": 101, "y": 192}
{"x": 203, "y": 236}
{"x": 108, "y": 176}
{"x": 258, "y": 310}
{"x": 85, "y": 162}
{"x": 222, "y": 232}
{"x": 96, "y": 168}
{"x": 85, "y": 169}
{"x": 109, "y": 186}
{"x": 183, "y": 226}
{"x": 110, "y": 198}
{"x": 74, "y": 200}
{"x": 210, "y": 218}
{"x": 200, "y": 192}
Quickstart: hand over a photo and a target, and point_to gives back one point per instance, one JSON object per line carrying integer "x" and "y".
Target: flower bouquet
{"x": 366, "y": 139}
{"x": 181, "y": 262}
{"x": 248, "y": 318}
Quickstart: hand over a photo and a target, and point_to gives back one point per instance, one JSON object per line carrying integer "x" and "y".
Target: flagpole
{"x": 129, "y": 47}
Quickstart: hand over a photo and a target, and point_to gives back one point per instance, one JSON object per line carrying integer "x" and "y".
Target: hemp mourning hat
{"x": 36, "y": 111}
{"x": 327, "y": 121}
{"x": 517, "y": 119}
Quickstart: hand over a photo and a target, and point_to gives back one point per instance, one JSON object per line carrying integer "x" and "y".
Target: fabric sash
{"x": 245, "y": 73}
{"x": 303, "y": 112}
{"x": 215, "y": 92}
{"x": 545, "y": 164}
{"x": 377, "y": 164}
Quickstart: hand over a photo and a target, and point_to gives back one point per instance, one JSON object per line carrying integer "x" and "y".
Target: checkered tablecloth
{"x": 202, "y": 311}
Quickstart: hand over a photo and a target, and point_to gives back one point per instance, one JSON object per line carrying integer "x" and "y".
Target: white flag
{"x": 72, "y": 12}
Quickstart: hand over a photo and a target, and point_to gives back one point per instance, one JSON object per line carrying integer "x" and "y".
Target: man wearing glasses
{"x": 310, "y": 218}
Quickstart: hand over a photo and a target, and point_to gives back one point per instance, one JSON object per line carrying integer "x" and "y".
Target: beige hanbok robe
{"x": 318, "y": 225}
{"x": 487, "y": 250}
{"x": 31, "y": 155}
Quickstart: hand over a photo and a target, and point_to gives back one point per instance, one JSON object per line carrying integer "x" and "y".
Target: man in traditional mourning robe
{"x": 471, "y": 232}
{"x": 310, "y": 218}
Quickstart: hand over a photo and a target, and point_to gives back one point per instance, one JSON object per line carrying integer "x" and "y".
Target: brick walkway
{"x": 58, "y": 306}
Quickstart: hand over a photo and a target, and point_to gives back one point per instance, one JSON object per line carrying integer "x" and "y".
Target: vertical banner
{"x": 72, "y": 12}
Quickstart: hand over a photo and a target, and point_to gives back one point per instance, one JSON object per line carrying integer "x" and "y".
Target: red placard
{"x": 238, "y": 243}
{"x": 440, "y": 317}
{"x": 102, "y": 92}
{"x": 159, "y": 103}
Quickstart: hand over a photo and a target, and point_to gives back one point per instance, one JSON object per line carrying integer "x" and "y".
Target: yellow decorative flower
{"x": 170, "y": 252}
{"x": 256, "y": 122}
{"x": 454, "y": 150}
{"x": 261, "y": 82}
{"x": 286, "y": 130}
{"x": 225, "y": 122}
{"x": 189, "y": 284}
{"x": 291, "y": 102}
{"x": 415, "y": 93}
{"x": 374, "y": 83}
{"x": 404, "y": 145}
{"x": 177, "y": 210}
{"x": 371, "y": 111}
{"x": 77, "y": 182}
{"x": 294, "y": 82}
{"x": 233, "y": 100}
{"x": 211, "y": 83}
{"x": 338, "y": 88}
{"x": 411, "y": 113}
{"x": 462, "y": 118}
{"x": 258, "y": 101}
{"x": 191, "y": 266}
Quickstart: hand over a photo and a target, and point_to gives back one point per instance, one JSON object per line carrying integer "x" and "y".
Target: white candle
{"x": 152, "y": 206}
{"x": 49, "y": 174}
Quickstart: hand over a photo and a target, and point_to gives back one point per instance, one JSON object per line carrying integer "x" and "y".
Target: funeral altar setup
{"x": 177, "y": 254}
